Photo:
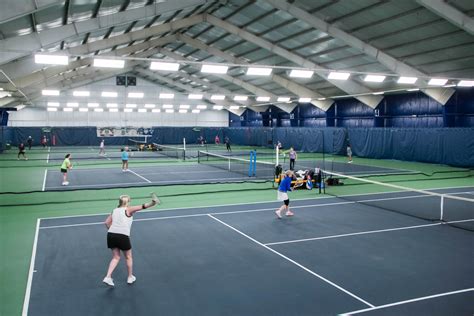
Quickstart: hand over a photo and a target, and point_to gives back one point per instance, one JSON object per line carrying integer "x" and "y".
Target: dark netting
{"x": 259, "y": 169}
{"x": 171, "y": 151}
{"x": 455, "y": 209}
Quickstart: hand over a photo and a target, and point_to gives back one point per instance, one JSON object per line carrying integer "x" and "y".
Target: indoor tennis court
{"x": 237, "y": 157}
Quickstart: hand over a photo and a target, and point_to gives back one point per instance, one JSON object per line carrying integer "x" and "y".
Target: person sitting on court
{"x": 118, "y": 224}
{"x": 66, "y": 165}
{"x": 21, "y": 151}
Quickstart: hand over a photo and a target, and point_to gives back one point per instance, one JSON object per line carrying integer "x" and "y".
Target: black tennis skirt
{"x": 119, "y": 241}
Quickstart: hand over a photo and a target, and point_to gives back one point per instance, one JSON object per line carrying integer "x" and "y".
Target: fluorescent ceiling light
{"x": 128, "y": 110}
{"x": 214, "y": 69}
{"x": 449, "y": 86}
{"x": 20, "y": 107}
{"x": 234, "y": 107}
{"x": 415, "y": 89}
{"x": 301, "y": 73}
{"x": 437, "y": 82}
{"x": 217, "y": 97}
{"x": 407, "y": 80}
{"x": 217, "y": 107}
{"x": 51, "y": 59}
{"x": 4, "y": 94}
{"x": 130, "y": 105}
{"x": 156, "y": 110}
{"x": 167, "y": 106}
{"x": 142, "y": 110}
{"x": 169, "y": 111}
{"x": 72, "y": 104}
{"x": 155, "y": 65}
{"x": 93, "y": 105}
{"x": 263, "y": 99}
{"x": 83, "y": 110}
{"x": 149, "y": 106}
{"x": 107, "y": 94}
{"x": 377, "y": 93}
{"x": 112, "y": 105}
{"x": 136, "y": 95}
{"x": 166, "y": 95}
{"x": 52, "y": 109}
{"x": 56, "y": 104}
{"x": 241, "y": 98}
{"x": 321, "y": 99}
{"x": 109, "y": 63}
{"x": 201, "y": 107}
{"x": 374, "y": 78}
{"x": 68, "y": 109}
{"x": 196, "y": 111}
{"x": 81, "y": 93}
{"x": 259, "y": 71}
{"x": 339, "y": 75}
{"x": 183, "y": 111}
{"x": 195, "y": 96}
{"x": 50, "y": 92}
{"x": 283, "y": 99}
{"x": 304, "y": 100}
{"x": 102, "y": 110}
{"x": 184, "y": 106}
{"x": 110, "y": 110}
{"x": 466, "y": 83}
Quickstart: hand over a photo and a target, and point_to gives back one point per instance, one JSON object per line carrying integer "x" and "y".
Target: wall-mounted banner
{"x": 124, "y": 131}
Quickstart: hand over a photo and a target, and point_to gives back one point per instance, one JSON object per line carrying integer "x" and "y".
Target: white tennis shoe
{"x": 131, "y": 279}
{"x": 108, "y": 281}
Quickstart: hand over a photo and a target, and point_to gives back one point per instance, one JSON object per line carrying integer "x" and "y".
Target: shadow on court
{"x": 333, "y": 257}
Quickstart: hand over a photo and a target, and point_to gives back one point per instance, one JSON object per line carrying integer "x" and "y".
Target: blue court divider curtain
{"x": 451, "y": 146}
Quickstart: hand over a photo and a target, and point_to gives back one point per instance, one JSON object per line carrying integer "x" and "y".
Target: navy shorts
{"x": 63, "y": 170}
{"x": 119, "y": 241}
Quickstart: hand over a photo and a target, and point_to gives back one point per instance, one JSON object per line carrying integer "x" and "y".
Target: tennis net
{"x": 262, "y": 170}
{"x": 449, "y": 207}
{"x": 171, "y": 151}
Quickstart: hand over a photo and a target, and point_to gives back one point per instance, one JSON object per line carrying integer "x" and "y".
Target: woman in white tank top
{"x": 119, "y": 224}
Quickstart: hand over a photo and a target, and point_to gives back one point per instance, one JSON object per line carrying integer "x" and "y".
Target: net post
{"x": 442, "y": 208}
{"x": 277, "y": 156}
{"x": 184, "y": 148}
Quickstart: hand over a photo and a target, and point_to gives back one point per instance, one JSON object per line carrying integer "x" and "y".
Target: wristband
{"x": 143, "y": 206}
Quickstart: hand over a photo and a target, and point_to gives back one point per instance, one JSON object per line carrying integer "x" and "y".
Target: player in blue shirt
{"x": 124, "y": 159}
{"x": 283, "y": 188}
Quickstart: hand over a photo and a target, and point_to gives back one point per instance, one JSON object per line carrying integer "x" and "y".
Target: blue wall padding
{"x": 452, "y": 146}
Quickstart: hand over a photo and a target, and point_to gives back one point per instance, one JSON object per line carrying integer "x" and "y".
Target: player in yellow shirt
{"x": 66, "y": 165}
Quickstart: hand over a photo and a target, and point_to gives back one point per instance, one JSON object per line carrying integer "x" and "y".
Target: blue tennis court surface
{"x": 191, "y": 173}
{"x": 333, "y": 257}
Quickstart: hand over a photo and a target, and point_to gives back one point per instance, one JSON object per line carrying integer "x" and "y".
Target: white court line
{"x": 129, "y": 170}
{"x": 241, "y": 211}
{"x": 256, "y": 202}
{"x": 47, "y": 159}
{"x": 26, "y": 302}
{"x": 44, "y": 179}
{"x": 49, "y": 149}
{"x": 293, "y": 261}
{"x": 350, "y": 234}
{"x": 407, "y": 301}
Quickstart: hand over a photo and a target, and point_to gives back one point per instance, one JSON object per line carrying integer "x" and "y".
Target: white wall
{"x": 40, "y": 117}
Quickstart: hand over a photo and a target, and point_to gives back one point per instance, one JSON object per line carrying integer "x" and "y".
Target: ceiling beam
{"x": 291, "y": 86}
{"x": 155, "y": 76}
{"x": 245, "y": 85}
{"x": 449, "y": 13}
{"x": 350, "y": 87}
{"x": 49, "y": 72}
{"x": 24, "y": 45}
{"x": 19, "y": 8}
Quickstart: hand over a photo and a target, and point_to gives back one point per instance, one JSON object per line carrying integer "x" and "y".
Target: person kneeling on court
{"x": 283, "y": 188}
{"x": 118, "y": 236}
